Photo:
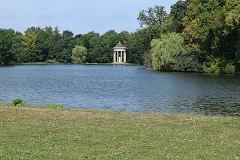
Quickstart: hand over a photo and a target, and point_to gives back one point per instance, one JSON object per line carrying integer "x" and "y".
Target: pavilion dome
{"x": 120, "y": 45}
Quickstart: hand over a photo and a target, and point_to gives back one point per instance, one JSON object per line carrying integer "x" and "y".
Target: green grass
{"x": 34, "y": 133}
{"x": 52, "y": 61}
{"x": 19, "y": 103}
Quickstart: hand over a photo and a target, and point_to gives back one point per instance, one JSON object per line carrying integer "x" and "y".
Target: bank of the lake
{"x": 34, "y": 133}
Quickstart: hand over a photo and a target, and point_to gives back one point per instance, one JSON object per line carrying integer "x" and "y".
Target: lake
{"x": 123, "y": 88}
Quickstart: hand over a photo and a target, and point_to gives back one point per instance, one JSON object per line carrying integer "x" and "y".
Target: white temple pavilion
{"x": 119, "y": 54}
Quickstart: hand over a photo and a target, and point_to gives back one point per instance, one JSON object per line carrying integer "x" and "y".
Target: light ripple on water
{"x": 125, "y": 88}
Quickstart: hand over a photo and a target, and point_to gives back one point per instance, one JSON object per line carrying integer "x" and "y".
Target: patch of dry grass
{"x": 34, "y": 133}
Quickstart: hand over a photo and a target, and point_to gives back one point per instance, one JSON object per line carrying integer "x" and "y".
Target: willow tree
{"x": 165, "y": 49}
{"x": 79, "y": 55}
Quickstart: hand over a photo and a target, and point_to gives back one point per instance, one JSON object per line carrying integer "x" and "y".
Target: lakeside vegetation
{"x": 18, "y": 102}
{"x": 33, "y": 133}
{"x": 196, "y": 36}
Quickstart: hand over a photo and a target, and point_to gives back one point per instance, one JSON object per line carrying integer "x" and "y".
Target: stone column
{"x": 121, "y": 56}
{"x": 125, "y": 57}
{"x": 114, "y": 56}
{"x": 117, "y": 56}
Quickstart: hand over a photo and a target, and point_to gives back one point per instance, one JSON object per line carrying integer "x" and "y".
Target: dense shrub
{"x": 229, "y": 69}
{"x": 17, "y": 101}
{"x": 187, "y": 62}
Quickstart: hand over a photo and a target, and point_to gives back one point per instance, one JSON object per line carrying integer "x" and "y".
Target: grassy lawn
{"x": 34, "y": 133}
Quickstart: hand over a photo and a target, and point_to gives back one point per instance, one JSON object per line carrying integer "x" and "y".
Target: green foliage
{"x": 218, "y": 65}
{"x": 212, "y": 65}
{"x": 138, "y": 44}
{"x": 188, "y": 62}
{"x": 91, "y": 41}
{"x": 6, "y": 42}
{"x": 147, "y": 59}
{"x": 105, "y": 51}
{"x": 17, "y": 48}
{"x": 66, "y": 44}
{"x": 230, "y": 68}
{"x": 232, "y": 14}
{"x": 79, "y": 54}
{"x": 29, "y": 40}
{"x": 44, "y": 43}
{"x": 165, "y": 50}
{"x": 178, "y": 12}
{"x": 17, "y": 102}
{"x": 211, "y": 27}
{"x": 152, "y": 16}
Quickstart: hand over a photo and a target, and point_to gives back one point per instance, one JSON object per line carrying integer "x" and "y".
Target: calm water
{"x": 124, "y": 88}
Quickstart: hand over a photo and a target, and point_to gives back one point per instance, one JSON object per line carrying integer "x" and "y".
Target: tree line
{"x": 49, "y": 45}
{"x": 196, "y": 36}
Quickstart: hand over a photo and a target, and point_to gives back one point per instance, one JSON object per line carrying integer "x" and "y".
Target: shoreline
{"x": 59, "y": 107}
{"x": 119, "y": 64}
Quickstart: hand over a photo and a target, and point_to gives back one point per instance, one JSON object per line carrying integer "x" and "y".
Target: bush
{"x": 229, "y": 69}
{"x": 187, "y": 62}
{"x": 17, "y": 102}
{"x": 212, "y": 65}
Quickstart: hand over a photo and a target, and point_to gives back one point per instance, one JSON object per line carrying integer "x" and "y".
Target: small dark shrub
{"x": 229, "y": 69}
{"x": 17, "y": 101}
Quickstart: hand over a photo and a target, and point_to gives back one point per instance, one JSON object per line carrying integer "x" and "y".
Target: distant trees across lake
{"x": 48, "y": 44}
{"x": 196, "y": 36}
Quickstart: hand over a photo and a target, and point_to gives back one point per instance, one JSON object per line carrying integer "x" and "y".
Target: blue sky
{"x": 78, "y": 16}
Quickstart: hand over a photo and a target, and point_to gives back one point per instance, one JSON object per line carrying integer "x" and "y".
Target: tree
{"x": 203, "y": 27}
{"x": 147, "y": 59}
{"x": 6, "y": 41}
{"x": 91, "y": 41}
{"x": 178, "y": 12}
{"x": 139, "y": 44}
{"x": 79, "y": 55}
{"x": 212, "y": 27}
{"x": 232, "y": 14}
{"x": 232, "y": 29}
{"x": 107, "y": 41}
{"x": 56, "y": 45}
{"x": 17, "y": 48}
{"x": 125, "y": 38}
{"x": 165, "y": 50}
{"x": 43, "y": 44}
{"x": 29, "y": 40}
{"x": 152, "y": 16}
{"x": 65, "y": 44}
